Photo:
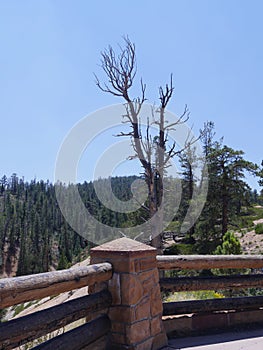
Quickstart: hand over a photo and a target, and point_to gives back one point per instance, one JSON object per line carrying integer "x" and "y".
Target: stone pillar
{"x": 136, "y": 311}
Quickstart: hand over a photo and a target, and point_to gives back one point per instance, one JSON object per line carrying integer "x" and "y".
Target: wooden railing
{"x": 28, "y": 328}
{"x": 223, "y": 282}
{"x": 126, "y": 300}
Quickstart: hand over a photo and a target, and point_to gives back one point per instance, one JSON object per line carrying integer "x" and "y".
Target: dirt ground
{"x": 251, "y": 242}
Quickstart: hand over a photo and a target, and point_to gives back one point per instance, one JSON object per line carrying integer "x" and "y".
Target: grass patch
{"x": 259, "y": 229}
{"x": 18, "y": 308}
{"x": 180, "y": 249}
{"x": 21, "y": 307}
{"x": 194, "y": 295}
{"x": 248, "y": 215}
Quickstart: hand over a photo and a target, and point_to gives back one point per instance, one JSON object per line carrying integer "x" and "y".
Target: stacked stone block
{"x": 136, "y": 311}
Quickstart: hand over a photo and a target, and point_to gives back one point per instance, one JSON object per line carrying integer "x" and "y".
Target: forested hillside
{"x": 35, "y": 237}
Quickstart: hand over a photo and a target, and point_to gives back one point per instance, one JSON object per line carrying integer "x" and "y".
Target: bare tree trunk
{"x": 225, "y": 198}
{"x": 152, "y": 152}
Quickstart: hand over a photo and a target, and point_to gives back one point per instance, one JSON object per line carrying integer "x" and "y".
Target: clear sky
{"x": 50, "y": 49}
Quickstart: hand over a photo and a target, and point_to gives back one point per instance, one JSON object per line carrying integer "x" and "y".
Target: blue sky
{"x": 50, "y": 49}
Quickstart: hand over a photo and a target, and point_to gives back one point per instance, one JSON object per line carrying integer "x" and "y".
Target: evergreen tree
{"x": 227, "y": 190}
{"x": 230, "y": 245}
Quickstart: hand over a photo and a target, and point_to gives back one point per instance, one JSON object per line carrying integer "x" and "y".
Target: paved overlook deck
{"x": 235, "y": 340}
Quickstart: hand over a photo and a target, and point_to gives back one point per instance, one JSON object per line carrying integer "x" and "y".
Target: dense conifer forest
{"x": 35, "y": 237}
{"x": 34, "y": 234}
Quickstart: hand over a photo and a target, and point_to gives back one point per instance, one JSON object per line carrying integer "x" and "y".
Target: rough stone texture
{"x": 205, "y": 323}
{"x": 136, "y": 311}
{"x": 245, "y": 317}
{"x": 209, "y": 321}
{"x": 155, "y": 326}
{"x": 156, "y": 303}
{"x": 145, "y": 345}
{"x": 131, "y": 289}
{"x": 118, "y": 327}
{"x": 159, "y": 341}
{"x": 143, "y": 309}
{"x": 122, "y": 314}
{"x": 115, "y": 289}
{"x": 138, "y": 332}
{"x": 179, "y": 325}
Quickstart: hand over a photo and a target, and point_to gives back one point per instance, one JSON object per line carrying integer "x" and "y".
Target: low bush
{"x": 259, "y": 229}
{"x": 180, "y": 249}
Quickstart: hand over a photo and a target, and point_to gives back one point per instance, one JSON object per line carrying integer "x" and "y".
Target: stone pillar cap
{"x": 124, "y": 245}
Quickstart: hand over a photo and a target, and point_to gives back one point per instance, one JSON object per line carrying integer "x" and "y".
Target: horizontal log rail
{"x": 78, "y": 338}
{"x": 21, "y": 289}
{"x": 179, "y": 284}
{"x": 207, "y": 262}
{"x": 200, "y": 262}
{"x": 210, "y": 305}
{"x": 33, "y": 287}
{"x": 24, "y": 329}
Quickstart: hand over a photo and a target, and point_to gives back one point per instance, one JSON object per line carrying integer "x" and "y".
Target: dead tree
{"x": 153, "y": 152}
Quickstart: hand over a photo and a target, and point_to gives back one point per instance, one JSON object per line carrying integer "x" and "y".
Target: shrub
{"x": 180, "y": 249}
{"x": 259, "y": 229}
{"x": 230, "y": 245}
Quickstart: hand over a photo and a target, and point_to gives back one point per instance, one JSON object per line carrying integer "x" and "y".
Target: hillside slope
{"x": 251, "y": 242}
{"x": 28, "y": 308}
